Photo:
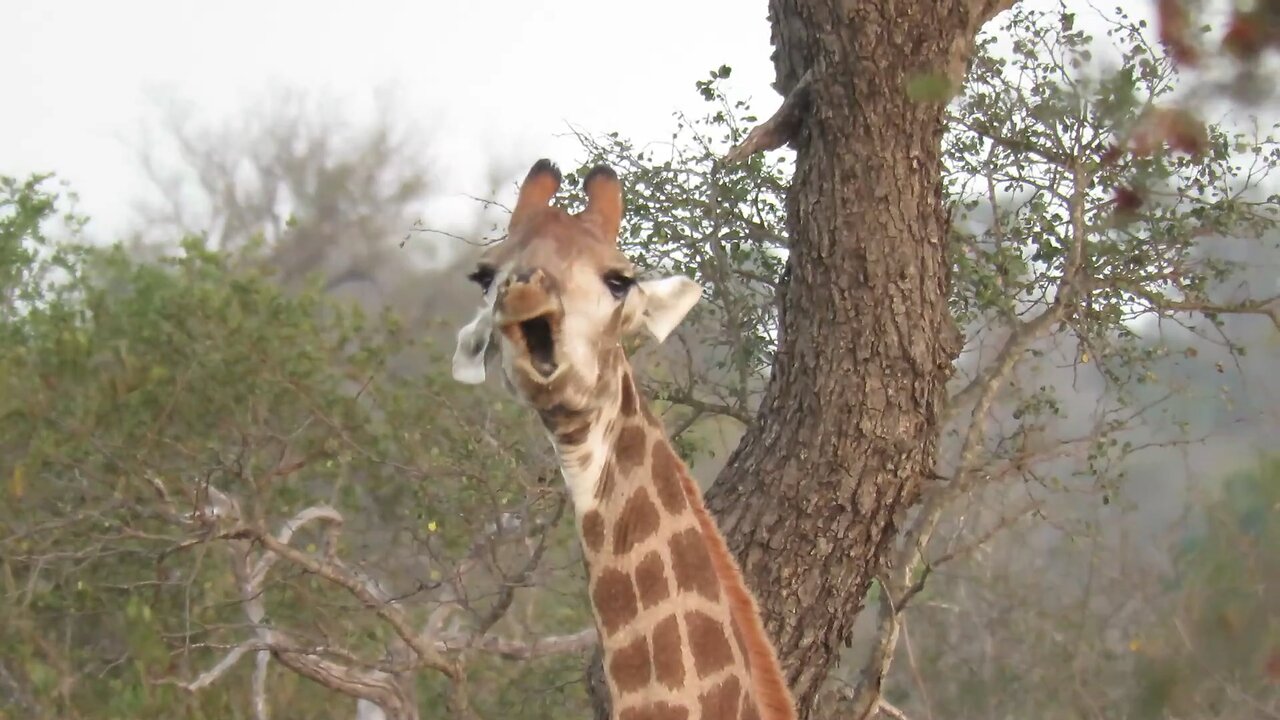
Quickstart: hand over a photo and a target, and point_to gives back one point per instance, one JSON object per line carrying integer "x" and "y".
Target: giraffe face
{"x": 559, "y": 297}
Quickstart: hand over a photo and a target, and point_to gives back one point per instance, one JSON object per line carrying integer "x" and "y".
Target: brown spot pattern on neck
{"x": 680, "y": 642}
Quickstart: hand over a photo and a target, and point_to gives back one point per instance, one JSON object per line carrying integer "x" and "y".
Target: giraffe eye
{"x": 483, "y": 276}
{"x": 618, "y": 283}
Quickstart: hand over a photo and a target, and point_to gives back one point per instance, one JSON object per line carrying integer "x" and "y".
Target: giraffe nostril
{"x": 524, "y": 277}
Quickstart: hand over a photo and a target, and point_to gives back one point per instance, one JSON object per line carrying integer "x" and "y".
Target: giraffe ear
{"x": 539, "y": 186}
{"x": 604, "y": 200}
{"x": 666, "y": 302}
{"x": 473, "y": 342}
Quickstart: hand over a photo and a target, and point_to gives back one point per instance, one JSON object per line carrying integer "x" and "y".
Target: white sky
{"x": 497, "y": 81}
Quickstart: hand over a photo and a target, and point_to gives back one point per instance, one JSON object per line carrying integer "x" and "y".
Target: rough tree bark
{"x": 847, "y": 432}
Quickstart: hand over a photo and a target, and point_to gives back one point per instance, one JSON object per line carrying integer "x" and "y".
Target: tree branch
{"x": 210, "y": 676}
{"x": 891, "y": 710}
{"x": 782, "y": 127}
{"x": 335, "y": 572}
{"x": 683, "y": 396}
{"x": 510, "y": 649}
{"x": 507, "y": 595}
{"x": 316, "y": 513}
{"x": 1269, "y": 307}
{"x": 371, "y": 684}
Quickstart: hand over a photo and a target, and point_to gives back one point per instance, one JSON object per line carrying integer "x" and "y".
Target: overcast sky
{"x": 497, "y": 80}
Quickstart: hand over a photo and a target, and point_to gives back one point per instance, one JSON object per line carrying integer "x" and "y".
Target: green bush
{"x": 132, "y": 393}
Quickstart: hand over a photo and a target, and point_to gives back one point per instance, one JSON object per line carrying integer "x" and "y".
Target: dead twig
{"x": 782, "y": 127}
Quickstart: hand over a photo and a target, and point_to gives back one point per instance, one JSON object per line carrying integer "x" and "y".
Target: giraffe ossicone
{"x": 681, "y": 633}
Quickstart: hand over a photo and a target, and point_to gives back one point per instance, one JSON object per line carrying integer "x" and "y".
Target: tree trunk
{"x": 847, "y": 431}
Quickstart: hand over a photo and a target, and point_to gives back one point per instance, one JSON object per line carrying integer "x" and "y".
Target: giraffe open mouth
{"x": 539, "y": 344}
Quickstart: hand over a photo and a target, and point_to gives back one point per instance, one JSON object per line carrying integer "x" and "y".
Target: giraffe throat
{"x": 669, "y": 602}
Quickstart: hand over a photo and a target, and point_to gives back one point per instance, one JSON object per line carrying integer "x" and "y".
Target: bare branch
{"x": 779, "y": 129}
{"x": 1269, "y": 307}
{"x": 683, "y": 396}
{"x": 210, "y": 676}
{"x": 507, "y": 595}
{"x": 261, "y": 663}
{"x": 891, "y": 710}
{"x": 333, "y": 571}
{"x": 915, "y": 670}
{"x": 315, "y": 513}
{"x": 868, "y": 692}
{"x": 375, "y": 685}
{"x": 510, "y": 649}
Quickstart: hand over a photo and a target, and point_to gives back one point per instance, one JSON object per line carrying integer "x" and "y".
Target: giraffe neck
{"x": 681, "y": 635}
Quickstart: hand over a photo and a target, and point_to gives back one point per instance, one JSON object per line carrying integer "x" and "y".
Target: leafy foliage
{"x": 690, "y": 214}
{"x": 136, "y": 395}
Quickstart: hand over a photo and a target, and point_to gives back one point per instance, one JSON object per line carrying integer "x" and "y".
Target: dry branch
{"x": 509, "y": 649}
{"x": 781, "y": 128}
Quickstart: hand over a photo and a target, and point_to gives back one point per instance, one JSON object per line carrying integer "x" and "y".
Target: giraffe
{"x": 681, "y": 633}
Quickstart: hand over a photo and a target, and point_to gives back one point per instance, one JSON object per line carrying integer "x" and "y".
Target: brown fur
{"x": 629, "y": 405}
{"x": 545, "y": 236}
{"x": 592, "y": 531}
{"x": 668, "y": 661}
{"x": 651, "y": 579}
{"x": 656, "y": 711}
{"x": 614, "y": 600}
{"x": 638, "y": 521}
{"x": 539, "y": 186}
{"x": 628, "y": 449}
{"x": 666, "y": 478}
{"x": 707, "y": 643}
{"x": 721, "y": 701}
{"x": 604, "y": 200}
{"x": 691, "y": 563}
{"x": 632, "y": 666}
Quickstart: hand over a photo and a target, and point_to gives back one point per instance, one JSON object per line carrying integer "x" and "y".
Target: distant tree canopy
{"x": 1218, "y": 645}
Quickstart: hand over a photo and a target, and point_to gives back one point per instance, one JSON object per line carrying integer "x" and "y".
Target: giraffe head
{"x": 559, "y": 297}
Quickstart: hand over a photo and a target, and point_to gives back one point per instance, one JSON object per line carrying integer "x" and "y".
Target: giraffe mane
{"x": 774, "y": 698}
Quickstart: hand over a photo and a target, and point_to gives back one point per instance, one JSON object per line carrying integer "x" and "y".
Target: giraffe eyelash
{"x": 618, "y": 283}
